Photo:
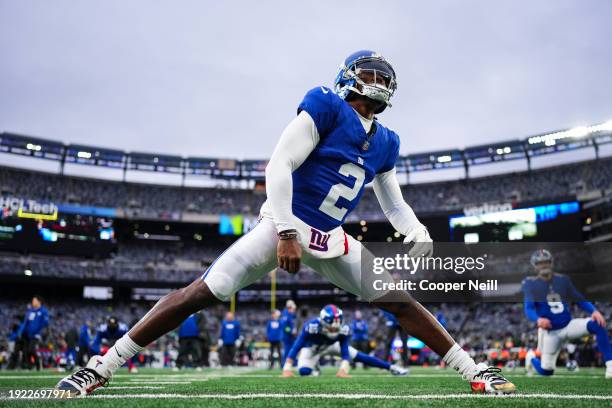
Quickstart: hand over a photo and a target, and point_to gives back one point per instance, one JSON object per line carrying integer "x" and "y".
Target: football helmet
{"x": 542, "y": 262}
{"x": 382, "y": 86}
{"x": 331, "y": 318}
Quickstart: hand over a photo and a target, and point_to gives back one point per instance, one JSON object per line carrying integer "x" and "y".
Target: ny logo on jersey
{"x": 318, "y": 240}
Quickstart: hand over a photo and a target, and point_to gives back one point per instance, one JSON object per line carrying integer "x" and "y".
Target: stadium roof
{"x": 536, "y": 145}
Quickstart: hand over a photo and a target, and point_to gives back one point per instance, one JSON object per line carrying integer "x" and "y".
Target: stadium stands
{"x": 140, "y": 200}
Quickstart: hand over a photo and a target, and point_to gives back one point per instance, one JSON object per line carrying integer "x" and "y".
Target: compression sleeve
{"x": 296, "y": 143}
{"x": 344, "y": 348}
{"x": 397, "y": 211}
{"x": 587, "y": 306}
{"x": 530, "y": 311}
{"x": 297, "y": 345}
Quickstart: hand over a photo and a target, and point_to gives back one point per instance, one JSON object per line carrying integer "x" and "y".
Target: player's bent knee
{"x": 304, "y": 371}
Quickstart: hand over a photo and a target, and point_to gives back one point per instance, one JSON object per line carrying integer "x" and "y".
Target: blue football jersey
{"x": 312, "y": 336}
{"x": 359, "y": 328}
{"x": 550, "y": 299}
{"x": 329, "y": 183}
{"x": 105, "y": 333}
{"x": 287, "y": 323}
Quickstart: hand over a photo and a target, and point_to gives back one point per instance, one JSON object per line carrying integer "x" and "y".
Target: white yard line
{"x": 338, "y": 396}
{"x": 354, "y": 396}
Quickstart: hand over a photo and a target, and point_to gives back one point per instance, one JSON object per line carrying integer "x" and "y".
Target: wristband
{"x": 287, "y": 234}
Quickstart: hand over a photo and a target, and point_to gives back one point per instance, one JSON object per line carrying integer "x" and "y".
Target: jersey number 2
{"x": 328, "y": 206}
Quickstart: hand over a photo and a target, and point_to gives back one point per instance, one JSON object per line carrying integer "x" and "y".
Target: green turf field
{"x": 262, "y": 388}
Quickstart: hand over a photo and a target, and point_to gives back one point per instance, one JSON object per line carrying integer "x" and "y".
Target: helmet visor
{"x": 375, "y": 71}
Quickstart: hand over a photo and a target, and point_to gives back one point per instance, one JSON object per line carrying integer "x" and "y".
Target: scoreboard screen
{"x": 551, "y": 222}
{"x": 68, "y": 234}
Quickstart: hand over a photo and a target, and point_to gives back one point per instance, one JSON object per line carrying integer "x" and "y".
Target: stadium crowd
{"x": 168, "y": 202}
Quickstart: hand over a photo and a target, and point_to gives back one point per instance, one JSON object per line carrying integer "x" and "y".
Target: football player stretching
{"x": 327, "y": 335}
{"x": 546, "y": 303}
{"x": 314, "y": 179}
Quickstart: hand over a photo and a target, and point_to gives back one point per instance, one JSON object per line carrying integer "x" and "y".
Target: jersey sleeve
{"x": 45, "y": 317}
{"x": 344, "y": 347}
{"x": 392, "y": 155}
{"x": 578, "y": 297}
{"x": 298, "y": 344}
{"x": 529, "y": 304}
{"x": 320, "y": 103}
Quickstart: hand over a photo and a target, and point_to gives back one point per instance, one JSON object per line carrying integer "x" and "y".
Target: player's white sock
{"x": 460, "y": 360}
{"x": 116, "y": 356}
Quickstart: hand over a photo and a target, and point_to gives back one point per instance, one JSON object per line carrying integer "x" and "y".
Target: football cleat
{"x": 609, "y": 369}
{"x": 488, "y": 380}
{"x": 84, "y": 381}
{"x": 398, "y": 371}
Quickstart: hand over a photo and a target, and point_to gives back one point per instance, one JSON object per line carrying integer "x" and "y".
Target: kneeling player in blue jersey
{"x": 315, "y": 178}
{"x": 546, "y": 296}
{"x": 328, "y": 335}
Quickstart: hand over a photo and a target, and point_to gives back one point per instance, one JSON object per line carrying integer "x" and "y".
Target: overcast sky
{"x": 222, "y": 78}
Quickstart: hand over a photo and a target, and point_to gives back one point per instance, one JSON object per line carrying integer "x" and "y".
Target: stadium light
{"x": 84, "y": 155}
{"x": 551, "y": 139}
{"x": 604, "y": 127}
{"x": 27, "y": 272}
{"x": 31, "y": 146}
{"x": 444, "y": 159}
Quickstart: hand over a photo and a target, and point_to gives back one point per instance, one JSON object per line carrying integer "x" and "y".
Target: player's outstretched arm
{"x": 345, "y": 365}
{"x": 343, "y": 371}
{"x": 292, "y": 355}
{"x": 400, "y": 214}
{"x": 297, "y": 141}
{"x": 288, "y": 368}
{"x": 586, "y": 305}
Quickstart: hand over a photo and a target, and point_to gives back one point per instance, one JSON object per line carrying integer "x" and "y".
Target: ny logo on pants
{"x": 318, "y": 240}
